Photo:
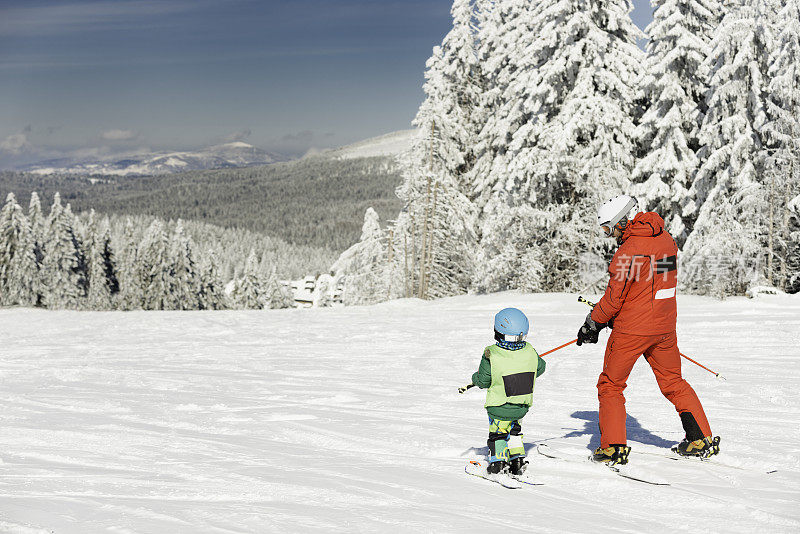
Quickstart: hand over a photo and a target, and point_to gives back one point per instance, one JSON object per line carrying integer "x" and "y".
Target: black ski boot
{"x": 612, "y": 455}
{"x": 495, "y": 467}
{"x": 703, "y": 448}
{"x": 517, "y": 466}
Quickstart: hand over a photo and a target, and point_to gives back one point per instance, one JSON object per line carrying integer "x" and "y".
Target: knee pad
{"x": 515, "y": 445}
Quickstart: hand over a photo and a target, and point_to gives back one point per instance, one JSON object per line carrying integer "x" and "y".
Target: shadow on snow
{"x": 591, "y": 427}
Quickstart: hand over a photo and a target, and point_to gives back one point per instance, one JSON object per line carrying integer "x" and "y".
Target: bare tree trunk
{"x": 771, "y": 240}
{"x": 413, "y": 253}
{"x": 429, "y": 269}
{"x": 390, "y": 257}
{"x": 405, "y": 268}
{"x": 422, "y": 261}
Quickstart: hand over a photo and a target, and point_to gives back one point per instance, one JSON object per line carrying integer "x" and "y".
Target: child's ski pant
{"x": 661, "y": 352}
{"x": 505, "y": 440}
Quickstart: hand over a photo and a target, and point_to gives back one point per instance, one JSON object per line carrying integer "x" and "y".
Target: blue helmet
{"x": 510, "y": 324}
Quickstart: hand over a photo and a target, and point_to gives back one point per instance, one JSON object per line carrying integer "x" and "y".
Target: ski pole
{"x": 568, "y": 343}
{"x": 719, "y": 376}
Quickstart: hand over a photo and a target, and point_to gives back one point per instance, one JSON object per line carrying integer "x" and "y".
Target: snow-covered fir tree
{"x": 212, "y": 290}
{"x": 37, "y": 223}
{"x": 448, "y": 118}
{"x": 507, "y": 32}
{"x": 249, "y": 292}
{"x": 102, "y": 276}
{"x": 364, "y": 268}
{"x": 452, "y": 241}
{"x": 153, "y": 269}
{"x": 276, "y": 295}
{"x": 186, "y": 285}
{"x": 130, "y": 291}
{"x": 568, "y": 138}
{"x": 782, "y": 137}
{"x": 792, "y": 254}
{"x": 18, "y": 267}
{"x": 674, "y": 87}
{"x": 64, "y": 264}
{"x": 726, "y": 246}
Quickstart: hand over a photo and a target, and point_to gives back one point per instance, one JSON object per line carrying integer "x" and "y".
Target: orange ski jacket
{"x": 640, "y": 295}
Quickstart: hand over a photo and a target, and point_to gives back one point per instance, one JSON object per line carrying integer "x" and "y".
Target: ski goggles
{"x": 608, "y": 230}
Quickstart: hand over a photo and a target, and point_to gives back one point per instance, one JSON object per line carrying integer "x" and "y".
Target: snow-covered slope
{"x": 391, "y": 144}
{"x": 236, "y": 154}
{"x": 348, "y": 420}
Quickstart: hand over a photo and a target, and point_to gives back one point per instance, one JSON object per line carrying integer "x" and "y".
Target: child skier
{"x": 508, "y": 371}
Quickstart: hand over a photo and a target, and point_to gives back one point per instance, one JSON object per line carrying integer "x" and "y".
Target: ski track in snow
{"x": 348, "y": 420}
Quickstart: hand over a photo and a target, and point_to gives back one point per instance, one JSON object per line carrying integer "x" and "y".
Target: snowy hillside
{"x": 391, "y": 144}
{"x": 236, "y": 154}
{"x": 343, "y": 420}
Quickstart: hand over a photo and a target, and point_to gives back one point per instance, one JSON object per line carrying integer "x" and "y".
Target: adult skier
{"x": 508, "y": 372}
{"x": 640, "y": 306}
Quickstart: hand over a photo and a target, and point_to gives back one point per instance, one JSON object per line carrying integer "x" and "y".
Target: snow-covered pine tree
{"x": 212, "y": 289}
{"x": 435, "y": 230}
{"x": 782, "y": 136}
{"x": 452, "y": 241}
{"x": 568, "y": 141}
{"x": 452, "y": 98}
{"x": 130, "y": 290}
{"x": 37, "y": 224}
{"x": 153, "y": 269}
{"x": 64, "y": 265}
{"x": 249, "y": 292}
{"x": 725, "y": 251}
{"x": 674, "y": 86}
{"x": 185, "y": 288}
{"x": 364, "y": 267}
{"x": 587, "y": 74}
{"x": 102, "y": 279}
{"x": 277, "y": 295}
{"x": 792, "y": 255}
{"x": 506, "y": 34}
{"x": 18, "y": 268}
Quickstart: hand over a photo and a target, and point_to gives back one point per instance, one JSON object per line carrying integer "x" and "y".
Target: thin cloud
{"x": 241, "y": 135}
{"x": 119, "y": 135}
{"x": 86, "y": 16}
{"x": 53, "y": 61}
{"x": 306, "y": 136}
{"x": 15, "y": 144}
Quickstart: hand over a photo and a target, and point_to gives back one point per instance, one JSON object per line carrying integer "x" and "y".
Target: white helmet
{"x": 615, "y": 210}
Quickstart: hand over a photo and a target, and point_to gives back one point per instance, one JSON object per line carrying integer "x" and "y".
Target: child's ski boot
{"x": 517, "y": 466}
{"x": 495, "y": 467}
{"x": 612, "y": 455}
{"x": 703, "y": 448}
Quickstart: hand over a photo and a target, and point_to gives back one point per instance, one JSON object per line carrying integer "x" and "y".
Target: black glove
{"x": 589, "y": 331}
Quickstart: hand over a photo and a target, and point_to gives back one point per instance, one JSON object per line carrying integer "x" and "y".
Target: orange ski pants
{"x": 661, "y": 352}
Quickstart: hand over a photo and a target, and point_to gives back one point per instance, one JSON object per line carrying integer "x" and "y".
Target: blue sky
{"x": 103, "y": 76}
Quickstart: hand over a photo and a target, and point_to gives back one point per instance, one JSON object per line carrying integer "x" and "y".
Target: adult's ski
{"x": 626, "y": 471}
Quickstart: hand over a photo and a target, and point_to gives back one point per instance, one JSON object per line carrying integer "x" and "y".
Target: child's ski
{"x": 625, "y": 471}
{"x": 478, "y": 469}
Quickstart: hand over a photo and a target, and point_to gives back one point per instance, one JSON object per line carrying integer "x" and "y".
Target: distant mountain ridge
{"x": 225, "y": 156}
{"x": 391, "y": 144}
{"x": 228, "y": 155}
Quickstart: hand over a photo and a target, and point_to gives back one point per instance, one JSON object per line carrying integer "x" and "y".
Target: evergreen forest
{"x": 537, "y": 112}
